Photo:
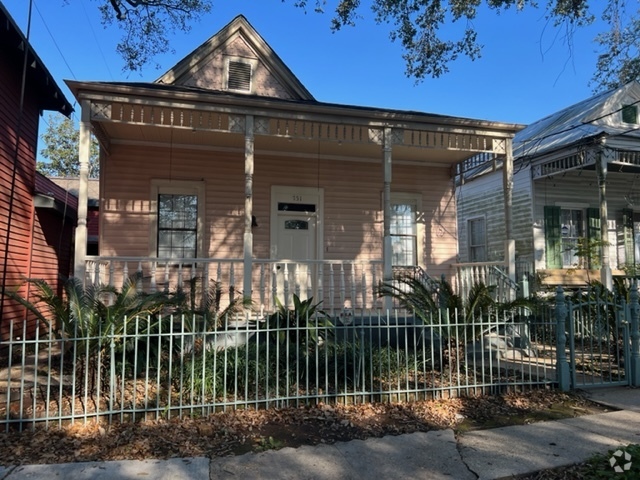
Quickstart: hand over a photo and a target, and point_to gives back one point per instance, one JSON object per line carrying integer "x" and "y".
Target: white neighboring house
{"x": 576, "y": 179}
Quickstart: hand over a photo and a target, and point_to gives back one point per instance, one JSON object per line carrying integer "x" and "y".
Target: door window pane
{"x": 571, "y": 224}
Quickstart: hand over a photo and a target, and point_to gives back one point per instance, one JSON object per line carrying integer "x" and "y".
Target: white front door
{"x": 295, "y": 219}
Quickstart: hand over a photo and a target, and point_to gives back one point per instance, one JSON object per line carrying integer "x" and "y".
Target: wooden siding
{"x": 39, "y": 246}
{"x": 16, "y": 203}
{"x": 352, "y": 202}
{"x": 484, "y": 197}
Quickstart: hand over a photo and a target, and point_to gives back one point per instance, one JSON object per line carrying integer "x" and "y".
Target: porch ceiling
{"x": 287, "y": 146}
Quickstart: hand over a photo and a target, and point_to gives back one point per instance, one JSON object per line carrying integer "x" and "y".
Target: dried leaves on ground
{"x": 241, "y": 431}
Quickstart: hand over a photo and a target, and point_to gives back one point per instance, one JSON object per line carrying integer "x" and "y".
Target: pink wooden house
{"x": 227, "y": 169}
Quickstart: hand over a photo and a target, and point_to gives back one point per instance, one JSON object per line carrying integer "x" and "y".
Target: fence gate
{"x": 599, "y": 341}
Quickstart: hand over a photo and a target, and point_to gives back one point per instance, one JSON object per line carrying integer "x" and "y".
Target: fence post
{"x": 524, "y": 286}
{"x": 635, "y": 335}
{"x": 562, "y": 365}
{"x": 442, "y": 300}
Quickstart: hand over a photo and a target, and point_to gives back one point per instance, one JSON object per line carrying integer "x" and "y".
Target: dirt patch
{"x": 241, "y": 431}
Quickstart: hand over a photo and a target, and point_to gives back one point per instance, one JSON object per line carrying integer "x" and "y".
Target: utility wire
{"x": 96, "y": 39}
{"x": 54, "y": 40}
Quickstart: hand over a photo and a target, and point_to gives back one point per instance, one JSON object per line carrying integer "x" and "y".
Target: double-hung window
{"x": 477, "y": 233}
{"x": 177, "y": 225}
{"x": 176, "y": 230}
{"x": 404, "y": 229}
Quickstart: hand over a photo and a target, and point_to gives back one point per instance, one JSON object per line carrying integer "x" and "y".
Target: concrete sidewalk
{"x": 483, "y": 454}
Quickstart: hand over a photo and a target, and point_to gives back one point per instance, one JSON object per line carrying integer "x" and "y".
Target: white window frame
{"x": 252, "y": 62}
{"x": 415, "y": 200}
{"x": 470, "y": 245}
{"x": 175, "y": 187}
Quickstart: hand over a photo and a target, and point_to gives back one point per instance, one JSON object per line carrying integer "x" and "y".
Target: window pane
{"x": 571, "y": 225}
{"x": 177, "y": 225}
{"x": 477, "y": 240}
{"x": 403, "y": 234}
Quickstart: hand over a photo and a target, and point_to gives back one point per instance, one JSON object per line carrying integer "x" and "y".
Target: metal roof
{"x": 580, "y": 123}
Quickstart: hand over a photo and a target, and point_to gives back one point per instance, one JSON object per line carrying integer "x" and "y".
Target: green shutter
{"x": 553, "y": 237}
{"x": 593, "y": 233}
{"x": 627, "y": 229}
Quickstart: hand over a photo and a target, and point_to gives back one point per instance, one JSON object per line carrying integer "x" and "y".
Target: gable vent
{"x": 239, "y": 76}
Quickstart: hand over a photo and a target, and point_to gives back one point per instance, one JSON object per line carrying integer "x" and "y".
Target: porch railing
{"x": 491, "y": 274}
{"x": 342, "y": 286}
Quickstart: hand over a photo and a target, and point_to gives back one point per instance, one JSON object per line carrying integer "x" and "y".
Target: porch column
{"x": 507, "y": 183}
{"x": 248, "y": 205}
{"x": 387, "y": 252}
{"x": 605, "y": 269}
{"x": 84, "y": 149}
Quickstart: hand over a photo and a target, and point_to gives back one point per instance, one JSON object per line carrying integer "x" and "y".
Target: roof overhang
{"x": 139, "y": 113}
{"x": 39, "y": 80}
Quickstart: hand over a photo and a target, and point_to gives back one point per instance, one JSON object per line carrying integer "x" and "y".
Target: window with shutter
{"x": 593, "y": 234}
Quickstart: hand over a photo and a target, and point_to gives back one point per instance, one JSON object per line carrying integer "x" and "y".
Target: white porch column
{"x": 387, "y": 252}
{"x": 248, "y": 204}
{"x": 605, "y": 270}
{"x": 507, "y": 184}
{"x": 84, "y": 150}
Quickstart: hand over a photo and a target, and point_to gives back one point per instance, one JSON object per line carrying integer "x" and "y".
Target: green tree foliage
{"x": 147, "y": 25}
{"x": 61, "y": 150}
{"x": 619, "y": 59}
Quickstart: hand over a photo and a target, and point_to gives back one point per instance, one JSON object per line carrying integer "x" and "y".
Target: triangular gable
{"x": 609, "y": 111}
{"x": 207, "y": 66}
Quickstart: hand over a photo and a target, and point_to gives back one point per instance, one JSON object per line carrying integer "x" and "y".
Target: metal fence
{"x": 171, "y": 366}
{"x": 164, "y": 367}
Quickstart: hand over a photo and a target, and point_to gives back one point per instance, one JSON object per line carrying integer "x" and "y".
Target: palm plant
{"x": 306, "y": 323}
{"x": 210, "y": 315}
{"x": 437, "y": 300}
{"x": 90, "y": 319}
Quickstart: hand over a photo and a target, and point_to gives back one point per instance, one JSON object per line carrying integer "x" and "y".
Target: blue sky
{"x": 527, "y": 69}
